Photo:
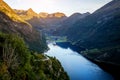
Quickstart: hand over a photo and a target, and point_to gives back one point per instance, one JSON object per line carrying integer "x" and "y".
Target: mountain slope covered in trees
{"x": 17, "y": 62}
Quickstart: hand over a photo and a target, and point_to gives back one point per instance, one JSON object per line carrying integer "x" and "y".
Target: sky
{"x": 66, "y": 6}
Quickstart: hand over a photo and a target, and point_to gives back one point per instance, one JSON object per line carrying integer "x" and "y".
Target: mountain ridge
{"x": 9, "y": 12}
{"x": 43, "y": 21}
{"x": 13, "y": 24}
{"x": 31, "y": 12}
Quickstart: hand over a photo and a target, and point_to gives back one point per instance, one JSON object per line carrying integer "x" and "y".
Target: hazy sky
{"x": 66, "y": 6}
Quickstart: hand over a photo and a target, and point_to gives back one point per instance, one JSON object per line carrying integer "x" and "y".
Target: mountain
{"x": 68, "y": 22}
{"x": 101, "y": 28}
{"x": 9, "y": 12}
{"x": 42, "y": 21}
{"x": 29, "y": 14}
{"x": 56, "y": 15}
{"x": 75, "y": 17}
{"x": 99, "y": 32}
{"x": 11, "y": 23}
{"x": 54, "y": 19}
{"x": 104, "y": 20}
{"x": 26, "y": 14}
{"x": 43, "y": 15}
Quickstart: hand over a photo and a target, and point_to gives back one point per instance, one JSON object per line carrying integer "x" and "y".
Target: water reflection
{"x": 77, "y": 67}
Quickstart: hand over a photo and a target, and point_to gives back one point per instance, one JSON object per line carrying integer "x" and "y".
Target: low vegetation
{"x": 17, "y": 62}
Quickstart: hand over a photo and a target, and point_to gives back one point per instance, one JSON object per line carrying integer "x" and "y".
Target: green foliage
{"x": 14, "y": 56}
{"x": 15, "y": 43}
{"x": 19, "y": 63}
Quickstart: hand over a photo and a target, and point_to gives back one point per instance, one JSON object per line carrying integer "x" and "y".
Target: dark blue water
{"x": 77, "y": 67}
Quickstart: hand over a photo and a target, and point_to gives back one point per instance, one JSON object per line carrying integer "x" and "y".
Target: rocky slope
{"x": 11, "y": 23}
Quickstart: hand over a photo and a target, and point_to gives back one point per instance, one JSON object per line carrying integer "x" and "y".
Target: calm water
{"x": 77, "y": 67}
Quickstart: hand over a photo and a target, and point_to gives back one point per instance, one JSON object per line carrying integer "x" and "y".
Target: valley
{"x": 55, "y": 46}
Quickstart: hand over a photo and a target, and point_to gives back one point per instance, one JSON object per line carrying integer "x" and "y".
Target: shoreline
{"x": 111, "y": 68}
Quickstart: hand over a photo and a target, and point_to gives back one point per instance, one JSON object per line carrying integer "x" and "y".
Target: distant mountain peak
{"x": 31, "y": 12}
{"x": 53, "y": 15}
{"x": 43, "y": 15}
{"x": 57, "y": 15}
{"x": 76, "y": 14}
{"x": 79, "y": 15}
